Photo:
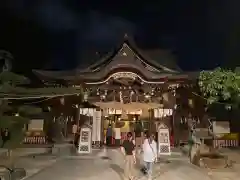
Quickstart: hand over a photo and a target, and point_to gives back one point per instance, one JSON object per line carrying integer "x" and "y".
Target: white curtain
{"x": 87, "y": 111}
{"x": 94, "y": 126}
{"x": 160, "y": 113}
{"x": 98, "y": 125}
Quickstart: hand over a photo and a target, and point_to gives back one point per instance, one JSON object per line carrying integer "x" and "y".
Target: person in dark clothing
{"x": 138, "y": 136}
{"x": 128, "y": 150}
{"x": 190, "y": 143}
{"x": 5, "y": 135}
{"x": 109, "y": 135}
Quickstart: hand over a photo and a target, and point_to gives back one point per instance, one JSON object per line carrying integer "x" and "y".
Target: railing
{"x": 35, "y": 140}
{"x": 218, "y": 143}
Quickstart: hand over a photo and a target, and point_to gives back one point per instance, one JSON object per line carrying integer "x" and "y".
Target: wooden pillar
{"x": 150, "y": 121}
{"x": 97, "y": 127}
{"x": 78, "y": 117}
{"x": 174, "y": 128}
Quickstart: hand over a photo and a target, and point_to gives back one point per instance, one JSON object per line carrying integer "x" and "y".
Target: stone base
{"x": 96, "y": 144}
{"x": 213, "y": 161}
{"x": 62, "y": 149}
{"x": 117, "y": 142}
{"x": 3, "y": 153}
{"x": 18, "y": 173}
{"x": 34, "y": 151}
{"x": 195, "y": 155}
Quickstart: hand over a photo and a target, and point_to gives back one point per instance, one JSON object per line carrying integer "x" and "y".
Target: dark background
{"x": 63, "y": 34}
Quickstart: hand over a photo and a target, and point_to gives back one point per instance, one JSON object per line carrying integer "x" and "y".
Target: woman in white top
{"x": 149, "y": 154}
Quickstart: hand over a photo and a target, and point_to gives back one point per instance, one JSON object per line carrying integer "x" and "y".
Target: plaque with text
{"x": 85, "y": 141}
{"x": 163, "y": 137}
{"x": 84, "y": 136}
{"x": 163, "y": 140}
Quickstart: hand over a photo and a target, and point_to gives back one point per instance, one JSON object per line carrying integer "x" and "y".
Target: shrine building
{"x": 133, "y": 91}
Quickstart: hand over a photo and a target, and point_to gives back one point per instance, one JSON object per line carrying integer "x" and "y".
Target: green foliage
{"x": 220, "y": 85}
{"x": 15, "y": 124}
{"x": 13, "y": 79}
{"x": 17, "y": 136}
{"x": 26, "y": 110}
{"x": 5, "y": 107}
{"x": 138, "y": 126}
{"x": 21, "y": 92}
{"x": 12, "y": 86}
{"x": 12, "y": 121}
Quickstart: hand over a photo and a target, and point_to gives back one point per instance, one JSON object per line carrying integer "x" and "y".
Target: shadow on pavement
{"x": 105, "y": 158}
{"x": 118, "y": 170}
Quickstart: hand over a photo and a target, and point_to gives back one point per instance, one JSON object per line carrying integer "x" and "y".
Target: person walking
{"x": 128, "y": 150}
{"x": 149, "y": 154}
{"x": 74, "y": 131}
{"x": 191, "y": 141}
{"x": 117, "y": 136}
{"x": 5, "y": 137}
{"x": 109, "y": 135}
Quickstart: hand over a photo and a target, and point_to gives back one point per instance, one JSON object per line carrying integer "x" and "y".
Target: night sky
{"x": 60, "y": 34}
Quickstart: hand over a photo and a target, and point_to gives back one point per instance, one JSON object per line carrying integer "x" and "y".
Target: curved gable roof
{"x": 125, "y": 55}
{"x": 158, "y": 59}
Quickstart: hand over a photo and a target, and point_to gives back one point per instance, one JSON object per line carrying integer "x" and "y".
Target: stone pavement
{"x": 233, "y": 154}
{"x": 174, "y": 167}
{"x": 179, "y": 170}
{"x": 228, "y": 173}
{"x": 109, "y": 163}
{"x": 33, "y": 165}
{"x": 77, "y": 168}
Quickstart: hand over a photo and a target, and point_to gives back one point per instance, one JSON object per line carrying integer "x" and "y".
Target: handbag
{"x": 144, "y": 169}
{"x": 151, "y": 148}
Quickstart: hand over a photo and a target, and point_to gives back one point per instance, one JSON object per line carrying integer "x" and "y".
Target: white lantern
{"x": 62, "y": 100}
{"x": 85, "y": 96}
{"x": 190, "y": 103}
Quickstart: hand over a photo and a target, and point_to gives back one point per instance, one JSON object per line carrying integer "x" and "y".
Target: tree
{"x": 13, "y": 87}
{"x": 220, "y": 86}
{"x": 6, "y": 59}
{"x": 14, "y": 123}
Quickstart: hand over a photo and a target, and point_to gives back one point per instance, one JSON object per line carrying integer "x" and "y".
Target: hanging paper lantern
{"x": 165, "y": 97}
{"x": 190, "y": 103}
{"x": 228, "y": 107}
{"x": 174, "y": 92}
{"x": 119, "y": 124}
{"x": 175, "y": 106}
{"x": 198, "y": 120}
{"x": 85, "y": 97}
{"x": 62, "y": 100}
{"x": 181, "y": 121}
{"x": 49, "y": 108}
